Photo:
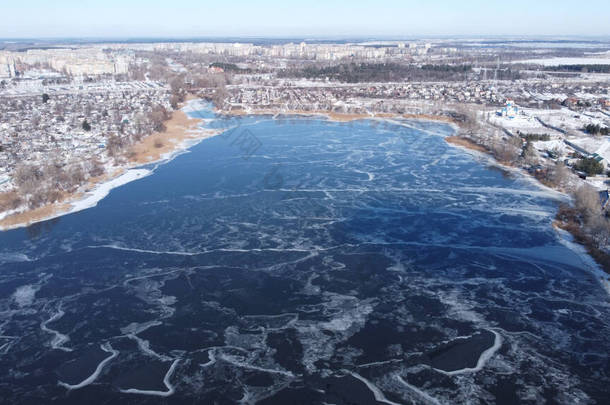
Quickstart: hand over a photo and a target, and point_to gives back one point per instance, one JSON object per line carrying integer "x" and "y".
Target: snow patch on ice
{"x": 59, "y": 339}
{"x": 25, "y": 294}
{"x": 379, "y": 396}
{"x": 421, "y": 394}
{"x": 13, "y": 257}
{"x": 166, "y": 381}
{"x": 483, "y": 359}
{"x": 101, "y": 191}
{"x": 108, "y": 349}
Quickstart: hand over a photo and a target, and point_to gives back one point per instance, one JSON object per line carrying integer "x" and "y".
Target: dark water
{"x": 356, "y": 263}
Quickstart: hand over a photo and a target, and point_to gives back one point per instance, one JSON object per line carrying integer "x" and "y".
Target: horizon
{"x": 273, "y": 19}
{"x": 270, "y": 39}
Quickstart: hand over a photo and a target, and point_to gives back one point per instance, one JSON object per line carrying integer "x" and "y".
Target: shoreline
{"x": 183, "y": 131}
{"x": 599, "y": 265}
{"x": 338, "y": 117}
{"x": 466, "y": 143}
{"x": 580, "y": 243}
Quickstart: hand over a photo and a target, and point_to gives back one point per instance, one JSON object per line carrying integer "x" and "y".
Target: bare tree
{"x": 599, "y": 227}
{"x": 559, "y": 174}
{"x": 158, "y": 116}
{"x": 176, "y": 85}
{"x": 530, "y": 155}
{"x": 175, "y": 100}
{"x": 76, "y": 175}
{"x": 35, "y": 120}
{"x": 504, "y": 151}
{"x": 27, "y": 178}
{"x": 96, "y": 168}
{"x": 114, "y": 145}
{"x": 219, "y": 97}
{"x": 586, "y": 200}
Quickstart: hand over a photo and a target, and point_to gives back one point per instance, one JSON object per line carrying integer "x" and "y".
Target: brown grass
{"x": 151, "y": 148}
{"x": 431, "y": 117}
{"x": 342, "y": 117}
{"x": 9, "y": 200}
{"x": 35, "y": 215}
{"x": 466, "y": 143}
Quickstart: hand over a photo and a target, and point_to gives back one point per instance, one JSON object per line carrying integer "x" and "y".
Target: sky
{"x": 301, "y": 19}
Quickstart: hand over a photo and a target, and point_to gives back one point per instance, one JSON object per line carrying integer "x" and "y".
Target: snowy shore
{"x": 130, "y": 172}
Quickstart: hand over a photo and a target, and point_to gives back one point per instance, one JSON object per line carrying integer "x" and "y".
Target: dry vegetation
{"x": 9, "y": 201}
{"x": 588, "y": 224}
{"x": 39, "y": 185}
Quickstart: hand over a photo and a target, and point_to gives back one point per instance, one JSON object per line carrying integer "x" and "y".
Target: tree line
{"x": 380, "y": 72}
{"x": 596, "y": 129}
{"x": 580, "y": 68}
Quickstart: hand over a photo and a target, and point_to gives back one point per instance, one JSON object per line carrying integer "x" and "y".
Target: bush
{"x": 589, "y": 166}
{"x": 86, "y": 126}
{"x": 594, "y": 129}
{"x": 175, "y": 101}
{"x": 157, "y": 117}
{"x": 586, "y": 201}
{"x": 10, "y": 201}
{"x": 535, "y": 137}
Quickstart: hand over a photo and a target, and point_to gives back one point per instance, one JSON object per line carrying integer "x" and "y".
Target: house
{"x": 215, "y": 69}
{"x": 509, "y": 110}
{"x": 570, "y": 102}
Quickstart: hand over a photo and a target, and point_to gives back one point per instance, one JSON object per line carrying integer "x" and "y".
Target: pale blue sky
{"x": 288, "y": 18}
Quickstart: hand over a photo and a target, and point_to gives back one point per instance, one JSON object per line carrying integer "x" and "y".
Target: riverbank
{"x": 181, "y": 133}
{"x": 338, "y": 117}
{"x": 600, "y": 257}
{"x": 566, "y": 218}
{"x": 466, "y": 143}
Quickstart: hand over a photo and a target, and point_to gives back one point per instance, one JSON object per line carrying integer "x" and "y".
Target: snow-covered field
{"x": 523, "y": 123}
{"x": 567, "y": 119}
{"x": 599, "y": 145}
{"x": 554, "y": 145}
{"x": 566, "y": 61}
